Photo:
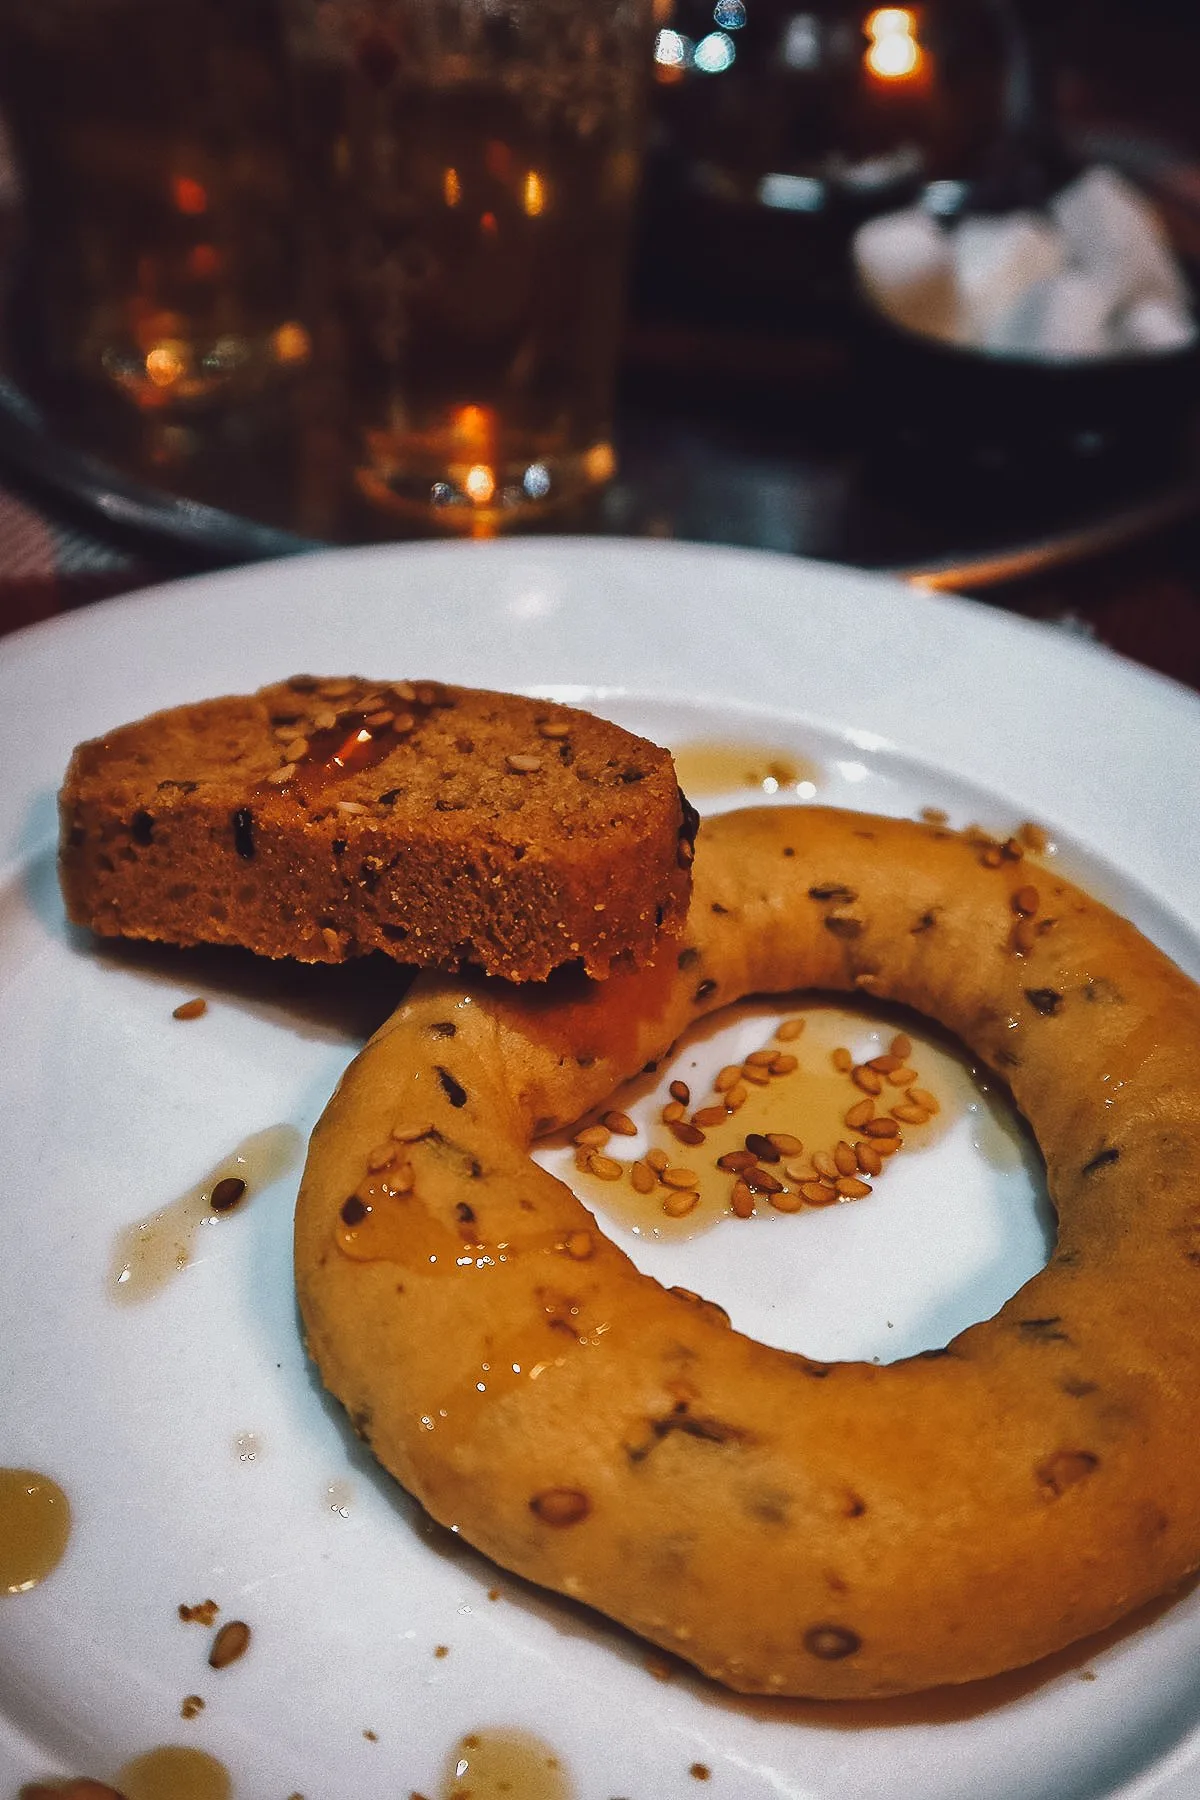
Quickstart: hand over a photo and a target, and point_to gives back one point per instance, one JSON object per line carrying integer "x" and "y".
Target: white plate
{"x": 147, "y": 1413}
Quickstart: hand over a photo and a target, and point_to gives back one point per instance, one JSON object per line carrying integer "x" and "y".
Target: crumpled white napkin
{"x": 1093, "y": 276}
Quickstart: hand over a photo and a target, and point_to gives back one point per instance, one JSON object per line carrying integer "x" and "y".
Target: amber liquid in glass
{"x": 471, "y": 265}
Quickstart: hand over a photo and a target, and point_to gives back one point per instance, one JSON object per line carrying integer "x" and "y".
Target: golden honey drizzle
{"x": 362, "y": 736}
{"x": 151, "y": 1252}
{"x": 810, "y": 1104}
{"x": 503, "y": 1765}
{"x": 713, "y": 766}
{"x": 35, "y": 1526}
{"x": 174, "y": 1772}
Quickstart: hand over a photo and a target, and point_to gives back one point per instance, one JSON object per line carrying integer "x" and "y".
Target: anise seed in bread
{"x": 325, "y": 818}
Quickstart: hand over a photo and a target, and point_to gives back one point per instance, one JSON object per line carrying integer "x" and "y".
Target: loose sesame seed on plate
{"x": 867, "y": 1080}
{"x": 851, "y": 1189}
{"x": 742, "y": 1201}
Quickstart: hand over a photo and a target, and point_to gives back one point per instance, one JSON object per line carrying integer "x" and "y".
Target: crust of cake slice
{"x": 324, "y": 818}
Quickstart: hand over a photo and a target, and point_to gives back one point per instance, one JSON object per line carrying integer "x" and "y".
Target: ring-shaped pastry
{"x": 790, "y": 1527}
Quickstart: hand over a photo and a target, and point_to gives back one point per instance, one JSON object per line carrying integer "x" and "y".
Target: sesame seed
{"x": 643, "y": 1178}
{"x": 679, "y": 1178}
{"x": 868, "y": 1158}
{"x": 592, "y": 1137}
{"x": 677, "y": 1205}
{"x": 783, "y": 1064}
{"x": 819, "y": 1193}
{"x": 785, "y": 1143}
{"x": 843, "y": 1062}
{"x": 760, "y": 1059}
{"x": 351, "y": 807}
{"x": 741, "y": 1201}
{"x": 679, "y": 1090}
{"x": 845, "y": 1159}
{"x": 657, "y": 1159}
{"x": 789, "y": 1030}
{"x": 756, "y": 1076}
{"x": 785, "y": 1202}
{"x": 736, "y": 1160}
{"x": 759, "y": 1181}
{"x": 881, "y": 1128}
{"x": 730, "y": 1074}
{"x": 737, "y": 1096}
{"x": 277, "y": 777}
{"x": 824, "y": 1164}
{"x": 191, "y": 1009}
{"x": 858, "y": 1115}
{"x": 764, "y": 1150}
{"x": 232, "y": 1641}
{"x": 607, "y": 1168}
{"x": 227, "y": 1193}
{"x": 709, "y": 1116}
{"x": 867, "y": 1080}
{"x": 619, "y": 1122}
{"x": 524, "y": 765}
{"x": 555, "y": 728}
{"x": 685, "y": 1133}
{"x": 922, "y": 1097}
{"x": 901, "y": 1046}
{"x": 671, "y": 1111}
{"x": 851, "y": 1189}
{"x": 910, "y": 1114}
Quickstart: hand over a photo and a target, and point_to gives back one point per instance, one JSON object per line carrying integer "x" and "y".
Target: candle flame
{"x": 894, "y": 52}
